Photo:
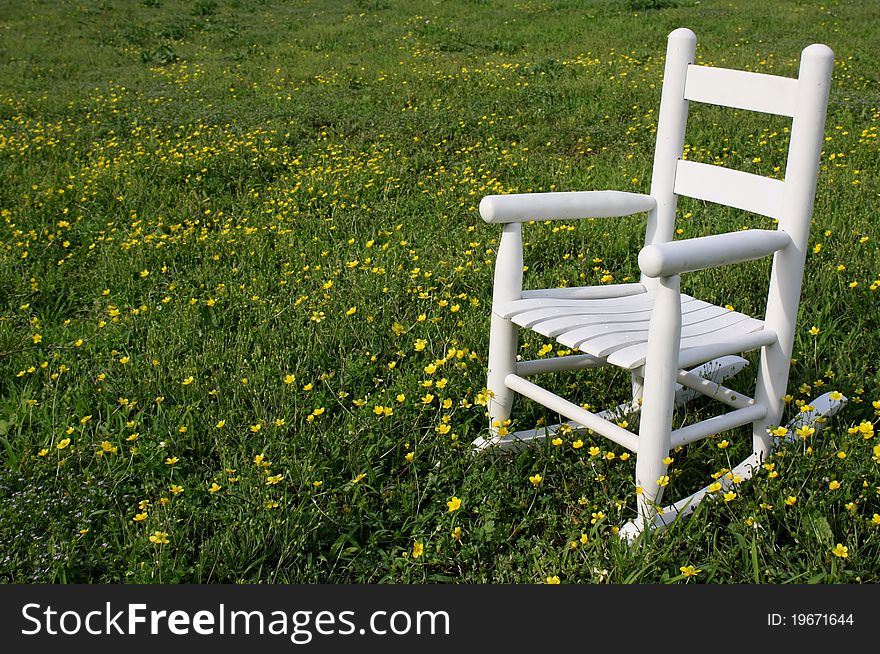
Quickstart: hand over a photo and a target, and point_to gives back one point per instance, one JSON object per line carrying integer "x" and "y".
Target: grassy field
{"x": 245, "y": 291}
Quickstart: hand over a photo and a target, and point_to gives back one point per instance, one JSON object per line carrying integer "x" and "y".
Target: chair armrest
{"x": 675, "y": 257}
{"x": 523, "y": 207}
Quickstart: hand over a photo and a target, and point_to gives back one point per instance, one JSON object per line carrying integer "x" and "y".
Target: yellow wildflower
{"x": 689, "y": 571}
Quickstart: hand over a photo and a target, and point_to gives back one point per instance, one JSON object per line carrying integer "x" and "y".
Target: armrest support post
{"x": 508, "y": 265}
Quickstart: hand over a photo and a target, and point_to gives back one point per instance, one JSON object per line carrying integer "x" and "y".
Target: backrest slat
{"x": 741, "y": 90}
{"x": 761, "y": 195}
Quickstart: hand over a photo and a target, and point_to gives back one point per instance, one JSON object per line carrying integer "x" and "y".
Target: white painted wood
{"x": 717, "y": 424}
{"x": 720, "y": 369}
{"x": 632, "y": 303}
{"x": 625, "y": 326}
{"x": 574, "y": 412}
{"x": 684, "y": 507}
{"x": 740, "y": 89}
{"x": 738, "y": 325}
{"x": 825, "y": 408}
{"x": 521, "y": 309}
{"x": 672, "y": 119}
{"x": 701, "y": 348}
{"x": 537, "y": 317}
{"x": 714, "y": 371}
{"x": 557, "y": 364}
{"x": 697, "y": 312}
{"x": 520, "y": 439}
{"x": 692, "y": 312}
{"x": 658, "y": 400}
{"x": 637, "y": 386}
{"x": 735, "y": 188}
{"x": 714, "y": 390}
{"x": 650, "y": 328}
{"x": 554, "y": 326}
{"x": 585, "y": 292}
{"x": 634, "y": 343}
{"x": 524, "y": 207}
{"x": 601, "y": 337}
{"x": 746, "y": 342}
{"x": 786, "y": 276}
{"x": 554, "y": 321}
{"x": 675, "y": 257}
{"x": 503, "y": 333}
{"x": 548, "y": 320}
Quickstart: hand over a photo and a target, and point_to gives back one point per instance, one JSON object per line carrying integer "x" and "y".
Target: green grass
{"x": 195, "y": 196}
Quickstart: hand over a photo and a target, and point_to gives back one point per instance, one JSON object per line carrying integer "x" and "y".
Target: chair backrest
{"x": 804, "y": 99}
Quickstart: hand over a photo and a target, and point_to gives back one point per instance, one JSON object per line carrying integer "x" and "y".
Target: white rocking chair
{"x": 650, "y": 328}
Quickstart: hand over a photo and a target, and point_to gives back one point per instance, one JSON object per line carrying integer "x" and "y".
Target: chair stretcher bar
{"x": 573, "y": 412}
{"x": 558, "y": 364}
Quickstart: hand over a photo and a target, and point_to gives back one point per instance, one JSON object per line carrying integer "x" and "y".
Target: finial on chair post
{"x": 682, "y": 34}
{"x": 817, "y": 51}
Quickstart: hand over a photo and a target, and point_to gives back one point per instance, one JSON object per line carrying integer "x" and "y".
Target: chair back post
{"x": 802, "y": 169}
{"x": 507, "y": 286}
{"x": 656, "y": 390}
{"x": 671, "y": 123}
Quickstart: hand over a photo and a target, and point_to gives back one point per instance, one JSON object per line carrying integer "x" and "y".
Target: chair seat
{"x": 616, "y": 328}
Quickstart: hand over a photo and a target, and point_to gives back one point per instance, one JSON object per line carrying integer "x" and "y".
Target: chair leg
{"x": 503, "y": 333}
{"x": 502, "y": 362}
{"x": 638, "y": 386}
{"x": 653, "y": 450}
{"x": 772, "y": 381}
{"x": 661, "y": 372}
